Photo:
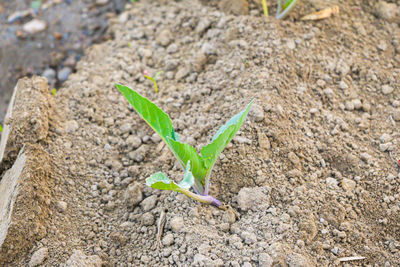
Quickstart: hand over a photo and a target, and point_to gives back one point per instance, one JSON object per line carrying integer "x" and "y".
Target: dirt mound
{"x": 312, "y": 173}
{"x": 25, "y": 188}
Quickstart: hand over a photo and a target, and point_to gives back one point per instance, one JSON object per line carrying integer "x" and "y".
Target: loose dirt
{"x": 312, "y": 173}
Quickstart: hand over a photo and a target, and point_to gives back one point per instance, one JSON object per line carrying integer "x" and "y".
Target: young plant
{"x": 265, "y": 7}
{"x": 197, "y": 167}
{"x": 153, "y": 79}
{"x": 1, "y": 128}
{"x": 284, "y": 7}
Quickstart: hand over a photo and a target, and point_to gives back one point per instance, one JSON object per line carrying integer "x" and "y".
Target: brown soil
{"x": 317, "y": 153}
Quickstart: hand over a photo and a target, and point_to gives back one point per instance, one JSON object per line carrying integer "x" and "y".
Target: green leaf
{"x": 223, "y": 136}
{"x": 162, "y": 124}
{"x": 160, "y": 181}
{"x": 287, "y": 3}
{"x": 153, "y": 115}
{"x": 188, "y": 153}
{"x": 1, "y": 128}
{"x": 188, "y": 179}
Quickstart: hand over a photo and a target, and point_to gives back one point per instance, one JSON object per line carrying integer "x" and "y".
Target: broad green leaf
{"x": 287, "y": 3}
{"x": 160, "y": 181}
{"x": 162, "y": 124}
{"x": 153, "y": 115}
{"x": 186, "y": 152}
{"x": 223, "y": 136}
{"x": 188, "y": 179}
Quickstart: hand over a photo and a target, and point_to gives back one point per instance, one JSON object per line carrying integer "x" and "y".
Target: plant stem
{"x": 207, "y": 182}
{"x": 265, "y": 7}
{"x": 203, "y": 199}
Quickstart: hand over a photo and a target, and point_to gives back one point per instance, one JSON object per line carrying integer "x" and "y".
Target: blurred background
{"x": 47, "y": 37}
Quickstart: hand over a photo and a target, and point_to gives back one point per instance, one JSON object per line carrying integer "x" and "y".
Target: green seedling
{"x": 284, "y": 7}
{"x": 153, "y": 79}
{"x": 265, "y": 7}
{"x": 53, "y": 92}
{"x": 197, "y": 167}
{"x": 1, "y": 128}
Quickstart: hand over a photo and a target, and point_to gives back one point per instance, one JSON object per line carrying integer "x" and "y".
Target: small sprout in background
{"x": 284, "y": 7}
{"x": 130, "y": 45}
{"x": 133, "y": 1}
{"x": 53, "y": 92}
{"x": 1, "y": 128}
{"x": 265, "y": 7}
{"x": 153, "y": 79}
{"x": 246, "y": 63}
{"x": 197, "y": 167}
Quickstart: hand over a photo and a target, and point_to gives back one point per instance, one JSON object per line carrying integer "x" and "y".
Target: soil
{"x": 312, "y": 176}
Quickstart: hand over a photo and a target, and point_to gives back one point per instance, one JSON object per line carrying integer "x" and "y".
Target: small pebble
{"x": 182, "y": 73}
{"x": 71, "y": 126}
{"x": 348, "y": 184}
{"x": 63, "y": 74}
{"x": 168, "y": 239}
{"x": 331, "y": 182}
{"x": 387, "y": 89}
{"x": 349, "y": 105}
{"x": 291, "y": 44}
{"x": 49, "y": 74}
{"x": 164, "y": 38}
{"x": 343, "y": 85}
{"x": 396, "y": 115}
{"x": 149, "y": 203}
{"x": 177, "y": 223}
{"x": 61, "y": 206}
{"x": 101, "y": 2}
{"x": 133, "y": 194}
{"x": 147, "y": 219}
{"x": 133, "y": 141}
{"x": 265, "y": 260}
{"x": 257, "y": 113}
{"x": 357, "y": 104}
{"x": 365, "y": 157}
{"x": 34, "y": 26}
{"x": 328, "y": 92}
{"x": 38, "y": 257}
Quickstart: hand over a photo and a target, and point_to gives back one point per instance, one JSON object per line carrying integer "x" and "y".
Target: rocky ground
{"x": 312, "y": 175}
